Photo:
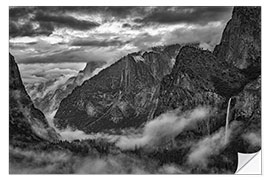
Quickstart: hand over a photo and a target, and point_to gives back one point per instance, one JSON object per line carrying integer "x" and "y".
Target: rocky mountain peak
{"x": 122, "y": 95}
{"x": 202, "y": 78}
{"x": 197, "y": 78}
{"x": 241, "y": 40}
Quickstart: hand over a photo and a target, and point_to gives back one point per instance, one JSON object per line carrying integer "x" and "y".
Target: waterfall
{"x": 227, "y": 121}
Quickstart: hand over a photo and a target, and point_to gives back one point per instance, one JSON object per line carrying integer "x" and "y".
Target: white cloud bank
{"x": 165, "y": 127}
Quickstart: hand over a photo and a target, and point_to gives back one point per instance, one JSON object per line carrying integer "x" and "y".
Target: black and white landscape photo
{"x": 133, "y": 90}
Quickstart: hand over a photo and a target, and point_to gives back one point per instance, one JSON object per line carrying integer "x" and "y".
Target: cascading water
{"x": 227, "y": 121}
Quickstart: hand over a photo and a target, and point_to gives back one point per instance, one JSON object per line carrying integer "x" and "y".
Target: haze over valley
{"x": 133, "y": 90}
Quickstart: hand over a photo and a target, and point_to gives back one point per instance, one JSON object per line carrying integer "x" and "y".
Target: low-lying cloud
{"x": 154, "y": 133}
{"x": 165, "y": 127}
{"x": 38, "y": 73}
{"x": 209, "y": 146}
{"x": 65, "y": 21}
{"x": 71, "y": 134}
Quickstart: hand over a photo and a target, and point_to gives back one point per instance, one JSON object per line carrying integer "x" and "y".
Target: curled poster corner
{"x": 249, "y": 163}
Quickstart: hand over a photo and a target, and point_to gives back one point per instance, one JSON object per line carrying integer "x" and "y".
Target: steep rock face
{"x": 26, "y": 123}
{"x": 241, "y": 46}
{"x": 198, "y": 79}
{"x": 122, "y": 95}
{"x": 247, "y": 111}
{"x": 248, "y": 102}
{"x": 241, "y": 41}
{"x": 202, "y": 78}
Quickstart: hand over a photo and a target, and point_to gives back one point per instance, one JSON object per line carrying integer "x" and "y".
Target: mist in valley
{"x": 132, "y": 151}
{"x": 133, "y": 90}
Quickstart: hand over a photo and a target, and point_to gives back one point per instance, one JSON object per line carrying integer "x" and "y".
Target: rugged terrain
{"x": 202, "y": 78}
{"x": 241, "y": 41}
{"x": 159, "y": 93}
{"x": 122, "y": 95}
{"x": 26, "y": 122}
{"x": 143, "y": 85}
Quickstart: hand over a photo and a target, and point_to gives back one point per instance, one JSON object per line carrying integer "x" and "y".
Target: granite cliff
{"x": 26, "y": 122}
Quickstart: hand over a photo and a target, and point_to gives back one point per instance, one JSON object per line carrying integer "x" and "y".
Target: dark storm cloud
{"x": 109, "y": 32}
{"x": 123, "y": 11}
{"x": 68, "y": 56}
{"x": 47, "y": 17}
{"x": 27, "y": 29}
{"x": 65, "y": 21}
{"x": 50, "y": 17}
{"x": 189, "y": 15}
{"x": 16, "y": 13}
{"x": 159, "y": 14}
{"x": 126, "y": 25}
{"x": 96, "y": 43}
{"x": 115, "y": 11}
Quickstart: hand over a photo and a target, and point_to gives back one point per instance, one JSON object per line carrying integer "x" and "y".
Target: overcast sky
{"x": 82, "y": 34}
